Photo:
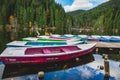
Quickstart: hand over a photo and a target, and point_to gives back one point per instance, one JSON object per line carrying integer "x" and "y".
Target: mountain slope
{"x": 104, "y": 18}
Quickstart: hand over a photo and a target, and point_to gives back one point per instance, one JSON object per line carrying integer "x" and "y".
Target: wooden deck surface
{"x": 106, "y": 44}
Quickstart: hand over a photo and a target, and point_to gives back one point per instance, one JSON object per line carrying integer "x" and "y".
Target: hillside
{"x": 77, "y": 12}
{"x": 103, "y": 18}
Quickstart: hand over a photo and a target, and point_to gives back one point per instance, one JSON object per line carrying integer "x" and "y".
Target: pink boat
{"x": 38, "y": 55}
{"x": 53, "y": 37}
{"x": 59, "y": 38}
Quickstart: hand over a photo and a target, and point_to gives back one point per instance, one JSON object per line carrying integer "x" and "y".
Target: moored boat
{"x": 40, "y": 44}
{"x": 115, "y": 39}
{"x": 55, "y": 35}
{"x": 42, "y": 39}
{"x": 67, "y": 39}
{"x": 93, "y": 38}
{"x": 105, "y": 38}
{"x": 43, "y": 36}
{"x": 67, "y": 36}
{"x": 51, "y": 39}
{"x": 59, "y": 38}
{"x": 37, "y": 55}
{"x": 83, "y": 37}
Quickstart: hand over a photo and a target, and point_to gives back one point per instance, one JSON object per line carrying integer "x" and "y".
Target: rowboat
{"x": 49, "y": 39}
{"x": 83, "y": 37}
{"x": 59, "y": 38}
{"x": 67, "y": 36}
{"x": 39, "y": 55}
{"x": 43, "y": 36}
{"x": 115, "y": 39}
{"x": 41, "y": 39}
{"x": 105, "y": 38}
{"x": 93, "y": 38}
{"x": 40, "y": 44}
{"x": 55, "y": 35}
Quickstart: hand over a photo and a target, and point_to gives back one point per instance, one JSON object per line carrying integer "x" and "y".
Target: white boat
{"x": 38, "y": 55}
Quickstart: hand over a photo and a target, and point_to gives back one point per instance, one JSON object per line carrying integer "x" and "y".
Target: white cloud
{"x": 100, "y": 1}
{"x": 82, "y": 4}
{"x": 78, "y": 4}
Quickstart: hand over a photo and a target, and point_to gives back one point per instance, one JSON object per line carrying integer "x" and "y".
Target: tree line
{"x": 104, "y": 19}
{"x": 40, "y": 12}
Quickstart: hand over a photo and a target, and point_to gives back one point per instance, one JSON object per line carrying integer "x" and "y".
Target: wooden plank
{"x": 106, "y": 44}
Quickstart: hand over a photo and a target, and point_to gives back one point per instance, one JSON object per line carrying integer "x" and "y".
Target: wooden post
{"x": 41, "y": 75}
{"x": 107, "y": 68}
{"x": 46, "y": 31}
{"x": 97, "y": 50}
{"x": 107, "y": 71}
{"x": 65, "y": 66}
{"x": 77, "y": 59}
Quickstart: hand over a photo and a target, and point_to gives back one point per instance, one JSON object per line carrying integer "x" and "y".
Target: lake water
{"x": 6, "y": 37}
{"x": 89, "y": 70}
{"x": 85, "y": 69}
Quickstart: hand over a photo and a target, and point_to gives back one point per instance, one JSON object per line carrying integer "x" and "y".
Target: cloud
{"x": 100, "y": 1}
{"x": 82, "y": 4}
{"x": 78, "y": 4}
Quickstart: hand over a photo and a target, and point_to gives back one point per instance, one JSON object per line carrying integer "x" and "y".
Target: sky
{"x": 72, "y": 5}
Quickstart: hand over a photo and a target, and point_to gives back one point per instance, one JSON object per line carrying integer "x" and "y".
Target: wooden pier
{"x": 107, "y": 47}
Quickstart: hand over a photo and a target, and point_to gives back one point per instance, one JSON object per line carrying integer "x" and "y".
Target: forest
{"x": 102, "y": 20}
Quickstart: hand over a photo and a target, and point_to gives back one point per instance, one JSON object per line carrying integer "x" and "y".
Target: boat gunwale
{"x": 48, "y": 55}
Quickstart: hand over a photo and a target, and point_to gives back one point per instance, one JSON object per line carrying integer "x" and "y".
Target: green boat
{"x": 28, "y": 39}
{"x": 52, "y": 40}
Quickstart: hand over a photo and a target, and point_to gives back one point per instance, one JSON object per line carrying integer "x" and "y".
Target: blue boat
{"x": 115, "y": 39}
{"x": 105, "y": 38}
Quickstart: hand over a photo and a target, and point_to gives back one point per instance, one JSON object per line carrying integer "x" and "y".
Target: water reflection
{"x": 23, "y": 69}
{"x": 7, "y": 36}
{"x": 87, "y": 71}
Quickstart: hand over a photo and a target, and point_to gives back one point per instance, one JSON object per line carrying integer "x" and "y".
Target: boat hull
{"x": 41, "y": 44}
{"x": 43, "y": 59}
{"x": 93, "y": 39}
{"x": 104, "y": 39}
{"x": 114, "y": 39}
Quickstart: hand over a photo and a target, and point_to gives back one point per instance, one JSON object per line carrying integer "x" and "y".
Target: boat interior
{"x": 50, "y": 50}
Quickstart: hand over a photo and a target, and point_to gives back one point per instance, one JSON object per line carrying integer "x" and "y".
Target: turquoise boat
{"x": 83, "y": 37}
{"x": 40, "y": 44}
{"x": 28, "y": 39}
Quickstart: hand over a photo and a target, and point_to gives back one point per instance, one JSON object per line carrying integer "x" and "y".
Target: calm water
{"x": 74, "y": 71}
{"x": 85, "y": 69}
{"x": 6, "y": 37}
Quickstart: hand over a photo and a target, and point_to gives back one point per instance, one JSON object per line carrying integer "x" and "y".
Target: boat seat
{"x": 64, "y": 49}
{"x": 46, "y": 51}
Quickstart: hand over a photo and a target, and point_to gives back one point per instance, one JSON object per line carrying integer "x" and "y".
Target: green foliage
{"x": 105, "y": 19}
{"x": 42, "y": 12}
